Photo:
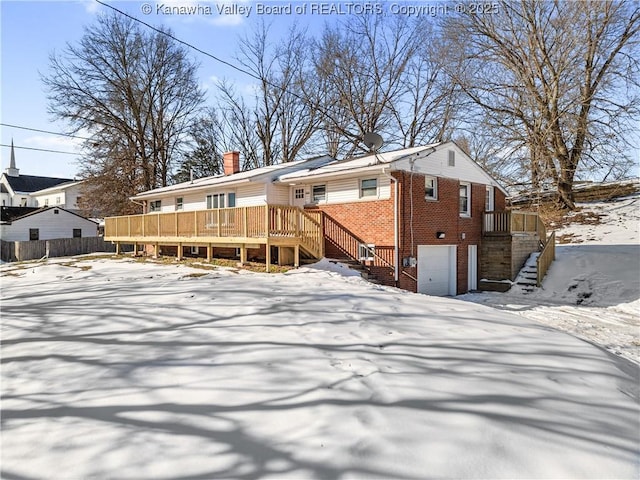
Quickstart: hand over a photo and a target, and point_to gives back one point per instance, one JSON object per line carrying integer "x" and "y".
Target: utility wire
{"x": 38, "y": 149}
{"x": 43, "y": 131}
{"x": 217, "y": 59}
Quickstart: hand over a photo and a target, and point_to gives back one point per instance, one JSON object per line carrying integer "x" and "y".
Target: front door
{"x": 298, "y": 196}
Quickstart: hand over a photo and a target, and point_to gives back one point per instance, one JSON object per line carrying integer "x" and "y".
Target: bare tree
{"x": 277, "y": 120}
{"x": 427, "y": 111}
{"x": 362, "y": 66}
{"x": 559, "y": 77}
{"x": 136, "y": 92}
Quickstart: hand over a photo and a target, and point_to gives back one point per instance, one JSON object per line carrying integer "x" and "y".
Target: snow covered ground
{"x": 592, "y": 290}
{"x": 119, "y": 369}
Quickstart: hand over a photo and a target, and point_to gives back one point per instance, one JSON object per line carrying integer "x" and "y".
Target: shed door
{"x": 437, "y": 269}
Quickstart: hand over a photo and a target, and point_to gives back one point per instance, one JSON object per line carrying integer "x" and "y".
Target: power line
{"x": 217, "y": 59}
{"x": 43, "y": 131}
{"x": 38, "y": 149}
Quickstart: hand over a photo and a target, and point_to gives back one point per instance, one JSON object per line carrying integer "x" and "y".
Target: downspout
{"x": 143, "y": 205}
{"x": 396, "y": 263}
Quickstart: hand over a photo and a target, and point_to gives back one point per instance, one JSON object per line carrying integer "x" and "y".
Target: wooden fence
{"x": 60, "y": 247}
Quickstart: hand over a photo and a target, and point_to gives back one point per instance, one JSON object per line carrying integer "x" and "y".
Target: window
{"x": 77, "y": 233}
{"x": 452, "y": 158}
{"x": 56, "y": 212}
{"x": 195, "y": 250}
{"x": 369, "y": 188}
{"x": 231, "y": 199}
{"x": 57, "y": 200}
{"x": 78, "y": 200}
{"x": 366, "y": 251}
{"x": 319, "y": 193}
{"x": 215, "y": 201}
{"x": 298, "y": 193}
{"x": 155, "y": 206}
{"x": 465, "y": 199}
{"x": 46, "y": 202}
{"x": 431, "y": 188}
{"x": 23, "y": 202}
{"x": 34, "y": 234}
{"x": 179, "y": 203}
{"x": 488, "y": 201}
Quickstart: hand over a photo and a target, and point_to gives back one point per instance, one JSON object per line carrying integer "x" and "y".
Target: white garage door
{"x": 437, "y": 269}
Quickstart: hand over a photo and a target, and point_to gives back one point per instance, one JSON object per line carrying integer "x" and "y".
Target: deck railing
{"x": 510, "y": 221}
{"x": 546, "y": 257}
{"x": 233, "y": 223}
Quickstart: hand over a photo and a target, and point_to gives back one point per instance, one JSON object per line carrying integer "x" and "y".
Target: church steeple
{"x": 12, "y": 171}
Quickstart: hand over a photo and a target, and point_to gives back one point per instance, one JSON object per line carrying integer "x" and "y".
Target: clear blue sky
{"x": 32, "y": 30}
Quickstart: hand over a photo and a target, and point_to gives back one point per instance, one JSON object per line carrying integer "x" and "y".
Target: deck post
{"x": 243, "y": 254}
{"x": 156, "y": 250}
{"x": 296, "y": 260}
{"x": 244, "y": 222}
{"x": 267, "y": 256}
{"x": 117, "y": 248}
{"x": 209, "y": 252}
{"x": 179, "y": 251}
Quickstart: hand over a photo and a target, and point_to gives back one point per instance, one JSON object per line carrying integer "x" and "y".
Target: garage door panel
{"x": 437, "y": 269}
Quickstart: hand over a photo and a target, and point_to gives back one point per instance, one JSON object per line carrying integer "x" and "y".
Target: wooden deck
{"x": 509, "y": 237}
{"x": 510, "y": 222}
{"x": 239, "y": 227}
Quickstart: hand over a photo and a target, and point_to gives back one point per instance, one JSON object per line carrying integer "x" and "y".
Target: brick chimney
{"x": 231, "y": 163}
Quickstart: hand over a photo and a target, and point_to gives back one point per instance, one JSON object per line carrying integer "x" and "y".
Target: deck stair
{"x": 527, "y": 279}
{"x": 359, "y": 267}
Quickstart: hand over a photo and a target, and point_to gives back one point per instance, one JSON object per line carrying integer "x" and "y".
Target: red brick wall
{"x": 372, "y": 222}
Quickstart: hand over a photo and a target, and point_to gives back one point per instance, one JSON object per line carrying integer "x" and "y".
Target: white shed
{"x": 21, "y": 224}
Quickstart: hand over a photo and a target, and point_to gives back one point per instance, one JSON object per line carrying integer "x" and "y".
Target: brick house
{"x": 420, "y": 218}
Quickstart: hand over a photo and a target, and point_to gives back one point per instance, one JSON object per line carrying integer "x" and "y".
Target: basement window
{"x": 366, "y": 251}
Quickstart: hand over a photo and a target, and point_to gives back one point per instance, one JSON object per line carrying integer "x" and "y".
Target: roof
{"x": 32, "y": 183}
{"x": 257, "y": 174}
{"x": 8, "y": 214}
{"x": 58, "y": 187}
{"x": 378, "y": 160}
{"x": 11, "y": 214}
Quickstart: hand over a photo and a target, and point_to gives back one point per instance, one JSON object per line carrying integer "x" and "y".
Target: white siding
{"x": 437, "y": 164}
{"x": 347, "y": 190}
{"x": 278, "y": 194}
{"x": 251, "y": 195}
{"x": 50, "y": 226}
